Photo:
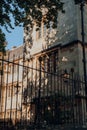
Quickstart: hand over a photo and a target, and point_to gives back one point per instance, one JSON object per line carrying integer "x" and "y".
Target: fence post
{"x": 38, "y": 116}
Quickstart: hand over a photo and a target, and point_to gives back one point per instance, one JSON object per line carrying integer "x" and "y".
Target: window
{"x": 8, "y": 114}
{"x": 14, "y": 90}
{"x": 53, "y": 62}
{"x": 15, "y": 68}
{"x": 9, "y": 68}
{"x": 1, "y": 54}
{"x": 0, "y": 65}
{"x": 51, "y": 26}
{"x": 50, "y": 62}
{"x": 38, "y": 34}
{"x": 10, "y": 91}
{"x": 44, "y": 30}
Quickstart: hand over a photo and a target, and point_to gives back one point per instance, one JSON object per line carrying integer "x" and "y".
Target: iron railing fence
{"x": 32, "y": 97}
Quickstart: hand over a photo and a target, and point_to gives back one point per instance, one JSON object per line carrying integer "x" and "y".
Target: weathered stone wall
{"x": 69, "y": 58}
{"x": 74, "y": 55}
{"x": 67, "y": 23}
{"x": 68, "y": 31}
{"x": 79, "y": 22}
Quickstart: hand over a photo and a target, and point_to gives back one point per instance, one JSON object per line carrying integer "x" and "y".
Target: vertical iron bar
{"x": 38, "y": 121}
{"x": 22, "y": 91}
{"x": 1, "y": 88}
{"x": 57, "y": 99}
{"x": 64, "y": 98}
{"x": 12, "y": 89}
{"x": 83, "y": 47}
{"x": 32, "y": 93}
{"x": 76, "y": 91}
{"x": 50, "y": 90}
{"x": 36, "y": 91}
{"x": 27, "y": 96}
{"x": 1, "y": 80}
{"x": 44, "y": 86}
{"x": 6, "y": 96}
{"x": 60, "y": 98}
{"x": 17, "y": 90}
{"x": 72, "y": 95}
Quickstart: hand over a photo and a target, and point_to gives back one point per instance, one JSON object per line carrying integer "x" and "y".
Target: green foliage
{"x": 34, "y": 11}
{"x": 2, "y": 41}
{"x": 25, "y": 11}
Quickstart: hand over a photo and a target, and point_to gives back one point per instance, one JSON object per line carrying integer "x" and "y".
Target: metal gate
{"x": 35, "y": 96}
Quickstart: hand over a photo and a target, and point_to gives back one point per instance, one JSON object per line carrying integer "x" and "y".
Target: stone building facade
{"x": 67, "y": 35}
{"x": 59, "y": 49}
{"x": 10, "y": 101}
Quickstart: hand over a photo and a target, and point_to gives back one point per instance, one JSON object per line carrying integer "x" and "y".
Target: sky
{"x": 15, "y": 38}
